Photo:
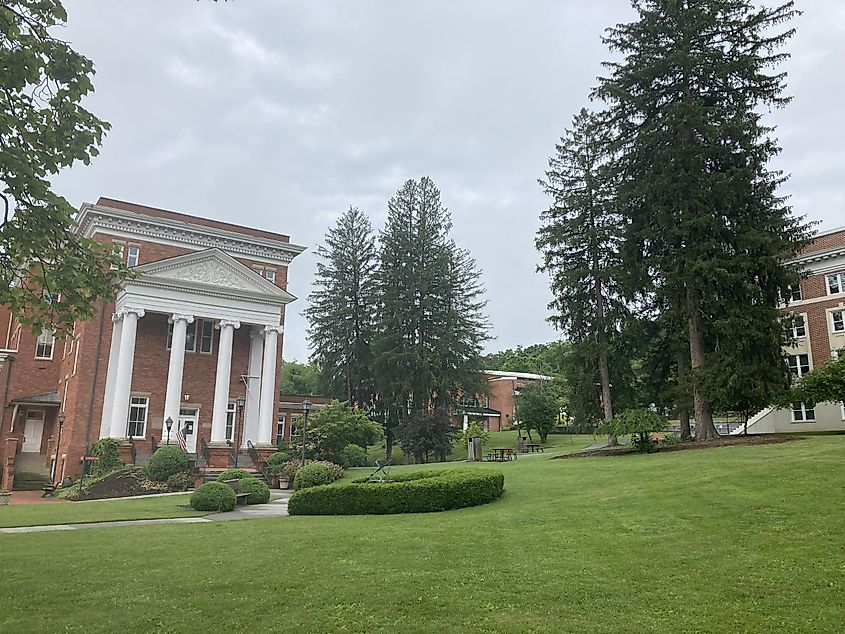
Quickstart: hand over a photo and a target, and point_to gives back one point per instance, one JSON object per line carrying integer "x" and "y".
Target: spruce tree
{"x": 580, "y": 239}
{"x": 341, "y": 309}
{"x": 430, "y": 316}
{"x": 705, "y": 221}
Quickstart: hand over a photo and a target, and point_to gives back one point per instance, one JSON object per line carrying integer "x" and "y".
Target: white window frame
{"x": 799, "y": 324}
{"x": 136, "y": 404}
{"x": 795, "y": 294}
{"x": 133, "y": 255}
{"x": 75, "y": 357}
{"x": 838, "y": 279}
{"x": 281, "y": 422}
{"x": 168, "y": 342}
{"x": 257, "y": 268}
{"x": 804, "y": 413}
{"x": 118, "y": 248}
{"x": 201, "y": 332}
{"x": 231, "y": 413}
{"x": 270, "y": 275}
{"x": 837, "y": 320}
{"x": 798, "y": 368}
{"x": 42, "y": 342}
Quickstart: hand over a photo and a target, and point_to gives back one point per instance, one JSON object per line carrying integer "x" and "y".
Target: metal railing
{"x": 233, "y": 454}
{"x": 204, "y": 453}
{"x": 260, "y": 463}
{"x": 133, "y": 451}
{"x": 154, "y": 444}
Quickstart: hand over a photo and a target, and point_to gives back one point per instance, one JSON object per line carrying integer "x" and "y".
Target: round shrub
{"x": 415, "y": 492}
{"x": 278, "y": 458}
{"x": 353, "y": 456}
{"x": 259, "y": 493}
{"x": 179, "y": 481}
{"x": 168, "y": 460}
{"x": 213, "y": 496}
{"x": 311, "y": 475}
{"x": 290, "y": 469}
{"x": 234, "y": 474}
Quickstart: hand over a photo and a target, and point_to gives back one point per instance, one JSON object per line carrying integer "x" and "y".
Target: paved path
{"x": 277, "y": 507}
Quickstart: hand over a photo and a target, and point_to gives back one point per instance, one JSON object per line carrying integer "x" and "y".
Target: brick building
{"x": 194, "y": 333}
{"x": 819, "y": 330}
{"x": 496, "y": 407}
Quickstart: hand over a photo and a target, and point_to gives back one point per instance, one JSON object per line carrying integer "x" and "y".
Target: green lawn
{"x": 554, "y": 442}
{"x": 733, "y": 539}
{"x": 100, "y": 511}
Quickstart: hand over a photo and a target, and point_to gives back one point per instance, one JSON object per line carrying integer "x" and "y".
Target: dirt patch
{"x": 725, "y": 441}
{"x": 120, "y": 484}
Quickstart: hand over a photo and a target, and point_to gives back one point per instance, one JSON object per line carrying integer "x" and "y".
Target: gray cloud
{"x": 282, "y": 114}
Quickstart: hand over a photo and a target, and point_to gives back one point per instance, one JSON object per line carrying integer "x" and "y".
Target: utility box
{"x": 474, "y": 449}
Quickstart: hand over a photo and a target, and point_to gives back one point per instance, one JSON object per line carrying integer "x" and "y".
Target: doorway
{"x": 33, "y": 431}
{"x": 188, "y": 422}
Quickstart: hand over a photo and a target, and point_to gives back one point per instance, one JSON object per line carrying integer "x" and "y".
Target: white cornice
{"x": 94, "y": 218}
{"x": 818, "y": 256}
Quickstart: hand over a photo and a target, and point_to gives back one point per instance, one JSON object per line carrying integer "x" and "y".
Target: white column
{"x": 222, "y": 380}
{"x": 125, "y": 364}
{"x": 253, "y": 386}
{"x": 111, "y": 375}
{"x": 266, "y": 413}
{"x": 173, "y": 394}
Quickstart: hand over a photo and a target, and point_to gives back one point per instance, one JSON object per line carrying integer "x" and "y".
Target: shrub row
{"x": 415, "y": 492}
{"x": 290, "y": 469}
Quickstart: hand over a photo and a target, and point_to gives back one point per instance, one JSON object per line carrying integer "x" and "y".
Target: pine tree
{"x": 341, "y": 309}
{"x": 430, "y": 315}
{"x": 580, "y": 240}
{"x": 705, "y": 221}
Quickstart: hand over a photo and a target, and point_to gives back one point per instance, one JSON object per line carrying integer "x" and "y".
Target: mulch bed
{"x": 724, "y": 441}
{"x": 119, "y": 484}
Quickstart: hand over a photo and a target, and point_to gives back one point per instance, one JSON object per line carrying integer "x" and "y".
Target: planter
{"x": 284, "y": 484}
{"x": 4, "y": 499}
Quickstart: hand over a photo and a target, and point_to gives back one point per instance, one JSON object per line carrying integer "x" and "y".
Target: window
{"x": 280, "y": 429}
{"x": 799, "y": 328}
{"x": 270, "y": 274}
{"x": 206, "y": 336}
{"x": 258, "y": 269}
{"x": 230, "y": 421}
{"x": 44, "y": 345}
{"x": 190, "y": 337}
{"x": 801, "y": 413}
{"x": 118, "y": 249}
{"x": 836, "y": 283}
{"x": 75, "y": 358}
{"x": 50, "y": 297}
{"x": 138, "y": 406}
{"x": 795, "y": 294}
{"x": 799, "y": 364}
{"x": 133, "y": 255}
{"x": 838, "y": 320}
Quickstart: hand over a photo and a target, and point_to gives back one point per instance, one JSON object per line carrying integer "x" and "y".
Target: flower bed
{"x": 413, "y": 492}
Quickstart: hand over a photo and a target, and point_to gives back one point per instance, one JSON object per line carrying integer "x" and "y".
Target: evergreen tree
{"x": 342, "y": 308}
{"x": 580, "y": 240}
{"x": 430, "y": 318}
{"x": 705, "y": 221}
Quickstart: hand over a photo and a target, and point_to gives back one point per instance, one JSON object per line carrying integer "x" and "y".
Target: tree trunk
{"x": 704, "y": 428}
{"x": 604, "y": 370}
{"x": 683, "y": 410}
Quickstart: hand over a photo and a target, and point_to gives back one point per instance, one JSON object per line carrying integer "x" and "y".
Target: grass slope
{"x": 100, "y": 511}
{"x": 734, "y": 539}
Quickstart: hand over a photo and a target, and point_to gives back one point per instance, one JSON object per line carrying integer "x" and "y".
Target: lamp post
{"x": 169, "y": 424}
{"x": 306, "y": 407}
{"x": 58, "y": 444}
{"x": 239, "y": 404}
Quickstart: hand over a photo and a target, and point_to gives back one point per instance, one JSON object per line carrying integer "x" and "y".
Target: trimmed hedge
{"x": 168, "y": 460}
{"x": 414, "y": 492}
{"x": 214, "y": 496}
{"x": 312, "y": 475}
{"x": 259, "y": 493}
{"x": 234, "y": 474}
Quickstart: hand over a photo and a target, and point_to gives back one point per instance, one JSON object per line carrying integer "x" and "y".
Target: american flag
{"x": 181, "y": 438}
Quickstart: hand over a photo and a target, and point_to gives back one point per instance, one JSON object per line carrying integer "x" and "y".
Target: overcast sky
{"x": 280, "y": 115}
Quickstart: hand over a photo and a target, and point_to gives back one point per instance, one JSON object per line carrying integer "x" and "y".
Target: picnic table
{"x": 501, "y": 454}
{"x": 533, "y": 447}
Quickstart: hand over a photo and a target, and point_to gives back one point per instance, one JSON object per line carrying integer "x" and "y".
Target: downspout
{"x": 8, "y": 363}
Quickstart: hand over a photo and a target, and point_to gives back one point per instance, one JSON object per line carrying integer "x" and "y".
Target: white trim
{"x": 98, "y": 218}
{"x": 516, "y": 375}
{"x": 52, "y": 344}
{"x": 146, "y": 408}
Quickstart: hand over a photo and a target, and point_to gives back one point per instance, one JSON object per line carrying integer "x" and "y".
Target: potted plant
{"x": 4, "y": 496}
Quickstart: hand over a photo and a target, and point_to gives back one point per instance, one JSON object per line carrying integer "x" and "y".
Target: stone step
{"x": 30, "y": 481}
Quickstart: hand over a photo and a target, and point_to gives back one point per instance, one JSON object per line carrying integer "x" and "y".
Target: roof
{"x": 197, "y": 220}
{"x": 480, "y": 411}
{"x": 47, "y": 398}
{"x": 517, "y": 375}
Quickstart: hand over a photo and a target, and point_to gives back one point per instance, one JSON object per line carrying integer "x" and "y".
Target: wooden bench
{"x": 235, "y": 485}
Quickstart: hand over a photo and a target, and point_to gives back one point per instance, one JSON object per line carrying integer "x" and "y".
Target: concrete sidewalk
{"x": 277, "y": 507}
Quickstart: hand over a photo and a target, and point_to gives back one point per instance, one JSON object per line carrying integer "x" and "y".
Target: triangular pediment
{"x": 212, "y": 269}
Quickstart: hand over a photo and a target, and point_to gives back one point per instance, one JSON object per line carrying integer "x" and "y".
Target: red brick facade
{"x": 78, "y": 368}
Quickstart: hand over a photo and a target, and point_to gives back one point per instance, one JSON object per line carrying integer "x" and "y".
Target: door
{"x": 188, "y": 423}
{"x": 33, "y": 430}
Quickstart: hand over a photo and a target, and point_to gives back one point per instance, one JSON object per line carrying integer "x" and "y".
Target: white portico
{"x": 213, "y": 287}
